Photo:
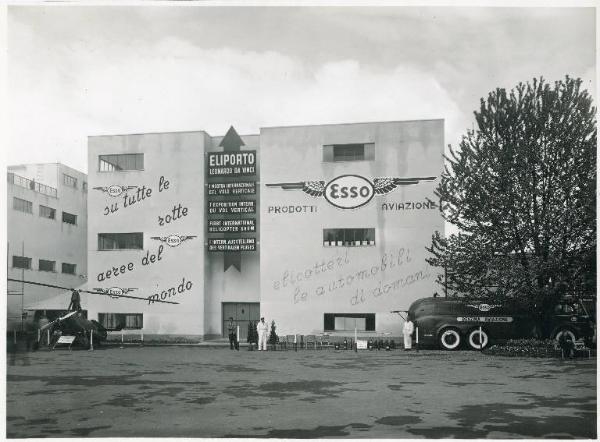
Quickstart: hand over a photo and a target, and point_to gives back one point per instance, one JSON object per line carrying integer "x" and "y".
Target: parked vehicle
{"x": 452, "y": 323}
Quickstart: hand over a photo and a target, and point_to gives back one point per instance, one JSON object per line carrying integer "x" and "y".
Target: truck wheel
{"x": 449, "y": 339}
{"x": 477, "y": 341}
{"x": 565, "y": 331}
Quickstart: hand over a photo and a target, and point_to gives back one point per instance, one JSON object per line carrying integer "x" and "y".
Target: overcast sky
{"x": 75, "y": 71}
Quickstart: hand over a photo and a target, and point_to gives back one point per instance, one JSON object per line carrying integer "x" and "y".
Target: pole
{"x": 445, "y": 279}
{"x": 480, "y": 340}
{"x": 237, "y": 338}
{"x": 39, "y": 335}
{"x": 417, "y": 336}
{"x": 48, "y": 337}
{"x": 22, "y": 284}
{"x": 121, "y": 339}
{"x": 295, "y": 344}
{"x": 142, "y": 337}
{"x": 91, "y": 340}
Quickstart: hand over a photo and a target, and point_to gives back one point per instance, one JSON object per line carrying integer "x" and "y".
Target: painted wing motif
{"x": 160, "y": 238}
{"x": 385, "y": 185}
{"x": 186, "y": 237}
{"x": 103, "y": 189}
{"x": 314, "y": 188}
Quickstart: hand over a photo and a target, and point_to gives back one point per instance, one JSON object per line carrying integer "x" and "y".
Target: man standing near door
{"x": 262, "y": 328}
{"x": 232, "y": 330}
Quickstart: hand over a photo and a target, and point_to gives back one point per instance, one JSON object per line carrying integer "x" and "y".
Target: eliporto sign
{"x": 350, "y": 191}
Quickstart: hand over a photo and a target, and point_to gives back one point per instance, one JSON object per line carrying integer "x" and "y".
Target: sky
{"x": 81, "y": 70}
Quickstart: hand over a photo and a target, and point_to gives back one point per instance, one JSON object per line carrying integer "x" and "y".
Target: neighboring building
{"x": 46, "y": 233}
{"x": 332, "y": 233}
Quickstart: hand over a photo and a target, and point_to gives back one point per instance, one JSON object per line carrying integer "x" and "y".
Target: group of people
{"x": 262, "y": 330}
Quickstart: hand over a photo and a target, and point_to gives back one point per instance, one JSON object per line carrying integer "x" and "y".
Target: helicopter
{"x": 73, "y": 325}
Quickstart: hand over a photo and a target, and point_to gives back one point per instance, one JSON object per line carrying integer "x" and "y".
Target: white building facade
{"x": 322, "y": 228}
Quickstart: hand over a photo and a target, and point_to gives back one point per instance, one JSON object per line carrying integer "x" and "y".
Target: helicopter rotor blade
{"x": 89, "y": 291}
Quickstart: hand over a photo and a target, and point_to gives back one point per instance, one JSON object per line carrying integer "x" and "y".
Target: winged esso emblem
{"x": 115, "y": 190}
{"x": 351, "y": 191}
{"x": 173, "y": 240}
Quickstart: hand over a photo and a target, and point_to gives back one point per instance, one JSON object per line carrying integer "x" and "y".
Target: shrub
{"x": 536, "y": 348}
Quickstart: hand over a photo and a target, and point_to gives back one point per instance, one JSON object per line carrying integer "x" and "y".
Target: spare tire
{"x": 565, "y": 331}
{"x": 449, "y": 339}
{"x": 477, "y": 341}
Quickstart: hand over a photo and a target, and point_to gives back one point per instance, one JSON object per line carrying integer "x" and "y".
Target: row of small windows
{"x": 331, "y": 238}
{"x": 121, "y": 162}
{"x": 331, "y": 153}
{"x": 44, "y": 211}
{"x": 348, "y": 237}
{"x": 70, "y": 181}
{"x": 349, "y": 152}
{"x": 44, "y": 265}
{"x": 349, "y": 321}
{"x": 120, "y": 241}
{"x": 118, "y": 321}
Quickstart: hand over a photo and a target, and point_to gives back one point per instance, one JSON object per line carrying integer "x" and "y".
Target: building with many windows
{"x": 320, "y": 228}
{"x": 46, "y": 234}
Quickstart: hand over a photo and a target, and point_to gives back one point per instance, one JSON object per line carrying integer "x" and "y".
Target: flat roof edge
{"x": 358, "y": 122}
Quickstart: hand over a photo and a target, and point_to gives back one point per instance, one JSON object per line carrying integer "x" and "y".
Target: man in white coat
{"x": 407, "y": 331}
{"x": 262, "y": 329}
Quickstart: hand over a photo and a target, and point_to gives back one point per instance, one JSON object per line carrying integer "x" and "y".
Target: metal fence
{"x": 30, "y": 184}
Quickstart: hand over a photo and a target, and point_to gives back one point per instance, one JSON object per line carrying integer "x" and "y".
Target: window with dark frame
{"x": 349, "y": 237}
{"x": 69, "y": 218}
{"x": 47, "y": 212}
{"x": 120, "y": 241}
{"x": 70, "y": 181}
{"x": 127, "y": 321}
{"x": 349, "y": 152}
{"x": 22, "y": 205}
{"x": 21, "y": 262}
{"x": 69, "y": 268}
{"x": 348, "y": 322}
{"x": 121, "y": 162}
{"x": 45, "y": 265}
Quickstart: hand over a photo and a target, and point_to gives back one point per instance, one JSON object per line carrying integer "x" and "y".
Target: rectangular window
{"x": 70, "y": 181}
{"x": 69, "y": 218}
{"x": 21, "y": 262}
{"x": 349, "y": 152}
{"x": 47, "y": 212}
{"x": 22, "y": 205}
{"x": 127, "y": 161}
{"x": 349, "y": 321}
{"x": 120, "y": 241}
{"x": 47, "y": 266}
{"x": 69, "y": 268}
{"x": 348, "y": 237}
{"x": 128, "y": 321}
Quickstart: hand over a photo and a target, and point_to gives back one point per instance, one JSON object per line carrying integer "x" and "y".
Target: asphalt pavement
{"x": 189, "y": 391}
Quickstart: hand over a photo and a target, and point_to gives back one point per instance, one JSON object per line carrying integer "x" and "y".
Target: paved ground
{"x": 202, "y": 392}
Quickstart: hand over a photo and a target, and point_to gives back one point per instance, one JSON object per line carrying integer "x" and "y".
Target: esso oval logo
{"x": 349, "y": 191}
{"x": 485, "y": 307}
{"x": 173, "y": 240}
{"x": 115, "y": 291}
{"x": 115, "y": 190}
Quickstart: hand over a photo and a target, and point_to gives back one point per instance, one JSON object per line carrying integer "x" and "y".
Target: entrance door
{"x": 242, "y": 313}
